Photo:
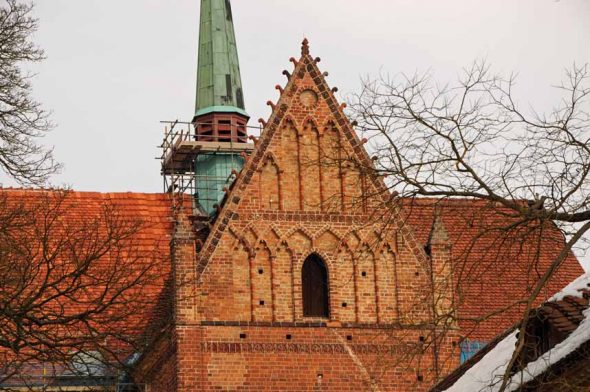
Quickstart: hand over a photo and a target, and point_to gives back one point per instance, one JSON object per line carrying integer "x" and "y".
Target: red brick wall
{"x": 302, "y": 192}
{"x": 297, "y": 358}
{"x": 363, "y": 283}
{"x": 157, "y": 368}
{"x": 291, "y": 205}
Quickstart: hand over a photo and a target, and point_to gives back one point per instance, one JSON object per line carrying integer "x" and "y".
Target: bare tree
{"x": 22, "y": 120}
{"x": 473, "y": 140}
{"x": 77, "y": 283}
{"x": 76, "y": 286}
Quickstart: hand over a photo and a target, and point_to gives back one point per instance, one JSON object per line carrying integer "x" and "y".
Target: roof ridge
{"x": 81, "y": 192}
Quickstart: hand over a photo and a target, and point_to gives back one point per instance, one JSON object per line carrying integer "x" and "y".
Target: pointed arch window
{"x": 314, "y": 282}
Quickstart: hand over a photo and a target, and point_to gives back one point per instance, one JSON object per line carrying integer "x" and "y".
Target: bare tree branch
{"x": 72, "y": 284}
{"x": 471, "y": 140}
{"x": 22, "y": 120}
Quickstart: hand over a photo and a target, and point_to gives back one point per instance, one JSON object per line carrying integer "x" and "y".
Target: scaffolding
{"x": 200, "y": 161}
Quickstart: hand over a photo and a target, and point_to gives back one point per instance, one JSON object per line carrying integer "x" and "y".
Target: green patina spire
{"x": 219, "y": 85}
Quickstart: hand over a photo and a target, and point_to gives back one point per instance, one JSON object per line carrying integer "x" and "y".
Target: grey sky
{"x": 117, "y": 67}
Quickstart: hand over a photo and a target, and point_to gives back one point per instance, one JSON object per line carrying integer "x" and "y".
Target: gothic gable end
{"x": 308, "y": 131}
{"x": 303, "y": 192}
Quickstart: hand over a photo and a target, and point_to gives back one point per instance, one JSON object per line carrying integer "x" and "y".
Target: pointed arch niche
{"x": 270, "y": 184}
{"x": 315, "y": 287}
{"x": 310, "y": 167}
{"x": 292, "y": 198}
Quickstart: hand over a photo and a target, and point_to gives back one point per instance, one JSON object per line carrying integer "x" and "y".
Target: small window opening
{"x": 469, "y": 348}
{"x": 541, "y": 335}
{"x": 314, "y": 279}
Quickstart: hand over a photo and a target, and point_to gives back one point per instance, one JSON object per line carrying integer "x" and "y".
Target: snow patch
{"x": 573, "y": 289}
{"x": 580, "y": 336}
{"x": 487, "y": 374}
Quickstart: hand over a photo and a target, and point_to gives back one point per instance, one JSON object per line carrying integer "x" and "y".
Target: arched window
{"x": 314, "y": 282}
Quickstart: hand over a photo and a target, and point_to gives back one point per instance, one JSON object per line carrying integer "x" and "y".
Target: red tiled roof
{"x": 495, "y": 262}
{"x": 491, "y": 270}
{"x": 150, "y": 244}
{"x": 564, "y": 314}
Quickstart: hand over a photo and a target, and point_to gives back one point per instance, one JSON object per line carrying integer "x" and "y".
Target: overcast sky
{"x": 115, "y": 68}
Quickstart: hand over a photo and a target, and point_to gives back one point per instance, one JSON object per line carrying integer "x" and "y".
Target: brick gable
{"x": 294, "y": 198}
{"x": 303, "y": 192}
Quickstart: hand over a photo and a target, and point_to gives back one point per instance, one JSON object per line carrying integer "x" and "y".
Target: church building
{"x": 294, "y": 268}
{"x": 291, "y": 266}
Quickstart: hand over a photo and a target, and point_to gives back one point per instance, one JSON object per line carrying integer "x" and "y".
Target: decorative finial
{"x": 305, "y": 47}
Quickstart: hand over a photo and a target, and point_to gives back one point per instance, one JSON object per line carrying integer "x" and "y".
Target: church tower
{"x": 203, "y": 160}
{"x": 220, "y": 116}
{"x": 219, "y": 85}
